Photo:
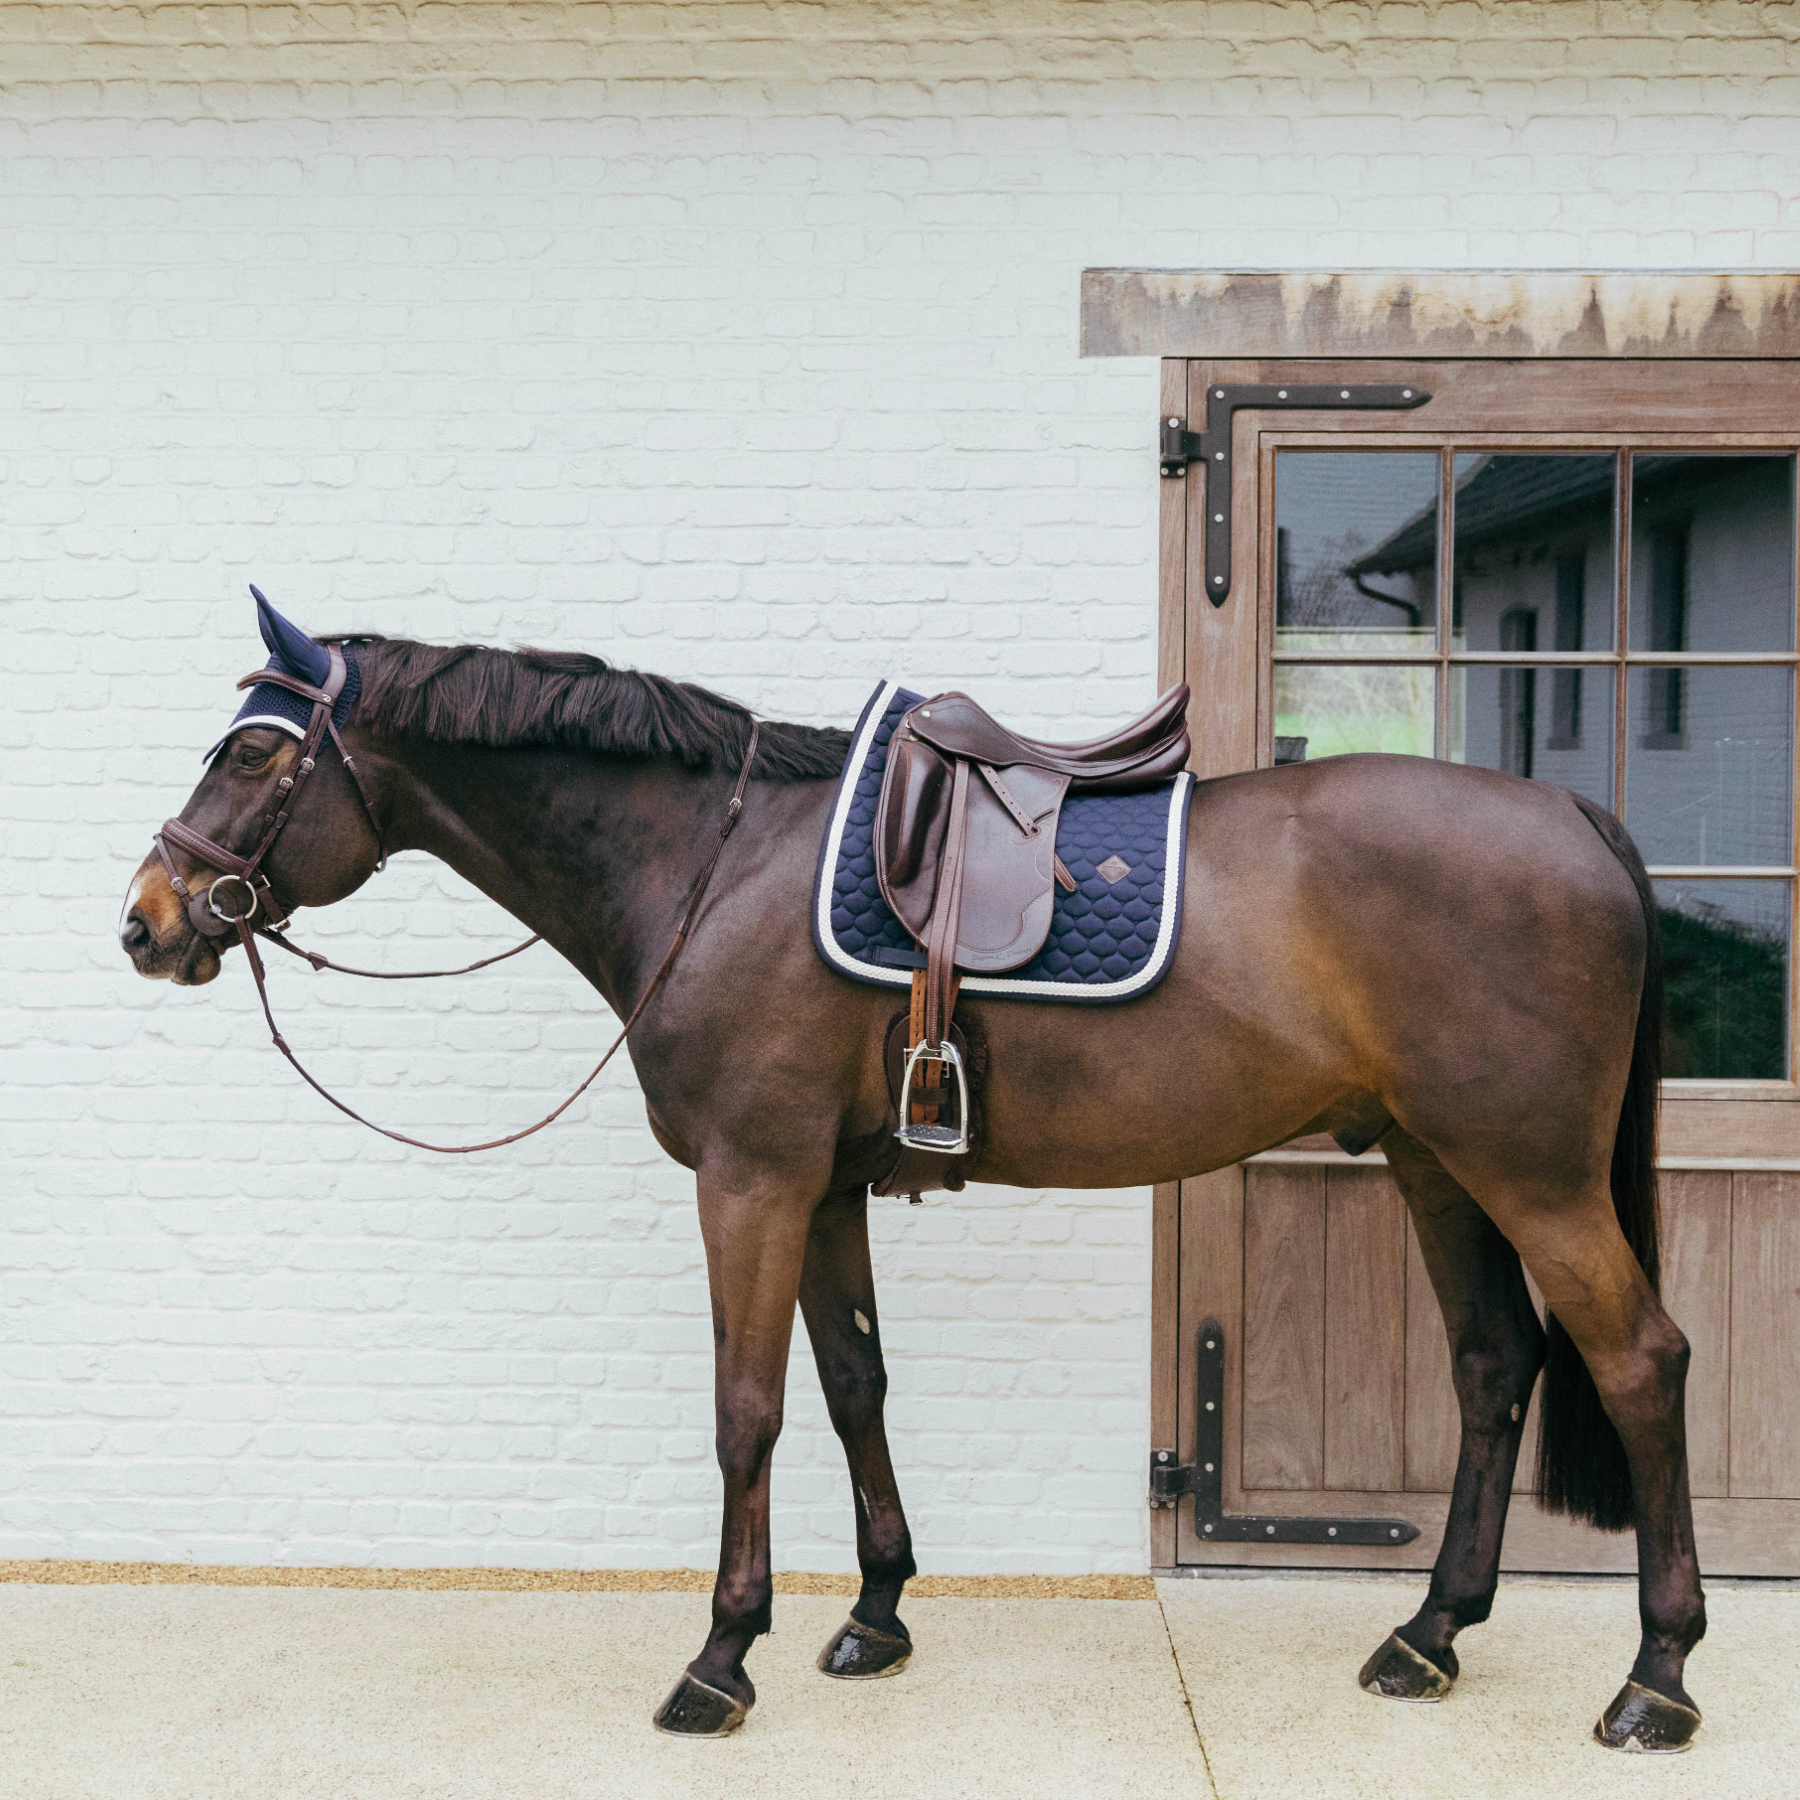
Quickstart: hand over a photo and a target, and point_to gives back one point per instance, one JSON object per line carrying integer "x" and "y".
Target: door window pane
{"x": 1709, "y": 765}
{"x": 1356, "y": 550}
{"x": 1551, "y": 724}
{"x": 1725, "y": 963}
{"x": 1712, "y": 552}
{"x": 1534, "y": 552}
{"x": 1336, "y": 710}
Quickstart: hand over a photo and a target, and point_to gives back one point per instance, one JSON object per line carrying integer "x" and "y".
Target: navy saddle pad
{"x": 1112, "y": 939}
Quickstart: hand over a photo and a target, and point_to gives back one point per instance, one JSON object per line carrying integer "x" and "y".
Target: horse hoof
{"x": 693, "y": 1709}
{"x": 1641, "y": 1719}
{"x": 1398, "y": 1672}
{"x": 861, "y": 1653}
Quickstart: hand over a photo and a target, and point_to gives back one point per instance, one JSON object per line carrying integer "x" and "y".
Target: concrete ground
{"x": 1239, "y": 1689}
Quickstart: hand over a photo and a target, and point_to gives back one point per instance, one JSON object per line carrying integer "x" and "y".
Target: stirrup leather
{"x": 946, "y": 1140}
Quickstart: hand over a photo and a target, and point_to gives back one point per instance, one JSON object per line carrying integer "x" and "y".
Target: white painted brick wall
{"x": 738, "y": 342}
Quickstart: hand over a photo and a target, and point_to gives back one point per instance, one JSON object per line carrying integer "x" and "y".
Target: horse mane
{"x": 505, "y": 699}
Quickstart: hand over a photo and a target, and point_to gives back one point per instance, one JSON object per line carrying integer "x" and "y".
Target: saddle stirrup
{"x": 946, "y": 1140}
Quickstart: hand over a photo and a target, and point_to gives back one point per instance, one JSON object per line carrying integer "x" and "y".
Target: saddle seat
{"x": 965, "y": 856}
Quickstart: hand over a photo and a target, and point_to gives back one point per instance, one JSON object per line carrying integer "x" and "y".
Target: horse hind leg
{"x": 1497, "y": 1348}
{"x": 1637, "y": 1358}
{"x": 837, "y": 1300}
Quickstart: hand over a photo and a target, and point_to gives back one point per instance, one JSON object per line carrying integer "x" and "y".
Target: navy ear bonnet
{"x": 293, "y": 653}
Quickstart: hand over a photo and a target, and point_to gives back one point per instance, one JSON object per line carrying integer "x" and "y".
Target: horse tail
{"x": 1581, "y": 1468}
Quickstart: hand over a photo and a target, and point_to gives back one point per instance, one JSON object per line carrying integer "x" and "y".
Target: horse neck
{"x": 596, "y": 854}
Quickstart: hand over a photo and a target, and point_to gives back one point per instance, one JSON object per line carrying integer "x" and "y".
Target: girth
{"x": 965, "y": 855}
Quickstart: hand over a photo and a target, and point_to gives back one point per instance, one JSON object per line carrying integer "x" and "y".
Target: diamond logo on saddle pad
{"x": 1113, "y": 870}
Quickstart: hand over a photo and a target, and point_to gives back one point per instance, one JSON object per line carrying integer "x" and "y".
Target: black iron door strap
{"x": 1213, "y": 448}
{"x": 1204, "y": 1478}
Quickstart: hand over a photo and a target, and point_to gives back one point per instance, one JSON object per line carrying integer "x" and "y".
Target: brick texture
{"x": 731, "y": 340}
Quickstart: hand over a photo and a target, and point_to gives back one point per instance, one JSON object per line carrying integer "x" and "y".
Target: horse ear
{"x": 291, "y": 648}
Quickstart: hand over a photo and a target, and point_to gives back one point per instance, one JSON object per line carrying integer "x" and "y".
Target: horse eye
{"x": 249, "y": 757}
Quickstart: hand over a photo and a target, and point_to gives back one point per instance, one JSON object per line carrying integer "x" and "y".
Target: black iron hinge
{"x": 1213, "y": 447}
{"x": 1204, "y": 1478}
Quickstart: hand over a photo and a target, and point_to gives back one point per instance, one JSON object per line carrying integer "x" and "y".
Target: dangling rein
{"x": 211, "y": 921}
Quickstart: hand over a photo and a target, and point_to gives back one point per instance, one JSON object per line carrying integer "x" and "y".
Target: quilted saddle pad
{"x": 1112, "y": 939}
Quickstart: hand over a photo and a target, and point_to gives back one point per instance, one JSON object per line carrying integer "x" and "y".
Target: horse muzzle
{"x": 157, "y": 934}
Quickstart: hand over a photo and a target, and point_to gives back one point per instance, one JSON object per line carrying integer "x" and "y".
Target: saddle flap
{"x": 910, "y": 821}
{"x": 1008, "y": 887}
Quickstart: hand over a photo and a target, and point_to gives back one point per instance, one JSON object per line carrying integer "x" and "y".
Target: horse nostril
{"x": 134, "y": 934}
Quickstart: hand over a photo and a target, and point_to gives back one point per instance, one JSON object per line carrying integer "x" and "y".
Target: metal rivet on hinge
{"x": 1210, "y": 1344}
{"x": 1270, "y": 1529}
{"x": 1218, "y": 581}
{"x": 1344, "y": 394}
{"x": 1218, "y": 393}
{"x": 1395, "y": 1532}
{"x": 1281, "y": 394}
{"x": 1218, "y": 456}
{"x": 1331, "y": 1531}
{"x": 1174, "y": 421}
{"x": 1218, "y": 519}
{"x": 1406, "y": 393}
{"x": 1209, "y": 1406}
{"x": 1209, "y": 1528}
{"x": 1163, "y": 1456}
{"x": 1209, "y": 1468}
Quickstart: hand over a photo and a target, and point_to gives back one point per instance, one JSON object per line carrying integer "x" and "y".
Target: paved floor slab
{"x": 163, "y": 1693}
{"x": 1270, "y": 1668}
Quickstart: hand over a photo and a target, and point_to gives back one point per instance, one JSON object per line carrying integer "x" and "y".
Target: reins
{"x": 211, "y": 921}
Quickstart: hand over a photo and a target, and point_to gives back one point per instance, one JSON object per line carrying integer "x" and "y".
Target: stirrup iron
{"x": 944, "y": 1139}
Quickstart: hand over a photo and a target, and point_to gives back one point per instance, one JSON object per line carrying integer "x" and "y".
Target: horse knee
{"x": 746, "y": 1439}
{"x": 854, "y": 1398}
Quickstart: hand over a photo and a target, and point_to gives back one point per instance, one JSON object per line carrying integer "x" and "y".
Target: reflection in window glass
{"x": 1326, "y": 710}
{"x": 1725, "y": 962}
{"x": 1709, "y": 765}
{"x": 1534, "y": 552}
{"x": 1712, "y": 552}
{"x": 1356, "y": 550}
{"x": 1548, "y": 724}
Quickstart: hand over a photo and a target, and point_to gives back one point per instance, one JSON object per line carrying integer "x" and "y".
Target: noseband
{"x": 213, "y": 921}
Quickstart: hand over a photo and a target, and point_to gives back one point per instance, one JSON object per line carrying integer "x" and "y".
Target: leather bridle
{"x": 213, "y": 921}
{"x": 203, "y": 909}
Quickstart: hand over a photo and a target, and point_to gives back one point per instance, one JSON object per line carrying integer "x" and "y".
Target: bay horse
{"x": 1457, "y": 964}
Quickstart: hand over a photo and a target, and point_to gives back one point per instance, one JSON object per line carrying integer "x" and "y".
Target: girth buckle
{"x": 946, "y": 1140}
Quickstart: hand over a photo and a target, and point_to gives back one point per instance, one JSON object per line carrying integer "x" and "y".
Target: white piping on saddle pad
{"x": 840, "y": 958}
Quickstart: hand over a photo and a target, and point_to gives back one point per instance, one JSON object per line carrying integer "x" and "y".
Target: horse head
{"x": 180, "y": 909}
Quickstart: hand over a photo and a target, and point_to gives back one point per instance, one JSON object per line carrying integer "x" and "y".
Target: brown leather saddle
{"x": 965, "y": 854}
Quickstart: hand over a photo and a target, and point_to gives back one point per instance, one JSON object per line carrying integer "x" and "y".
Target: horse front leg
{"x": 837, "y": 1299}
{"x": 755, "y": 1234}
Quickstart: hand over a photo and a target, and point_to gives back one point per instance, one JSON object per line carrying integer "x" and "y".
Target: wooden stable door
{"x": 1578, "y": 571}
